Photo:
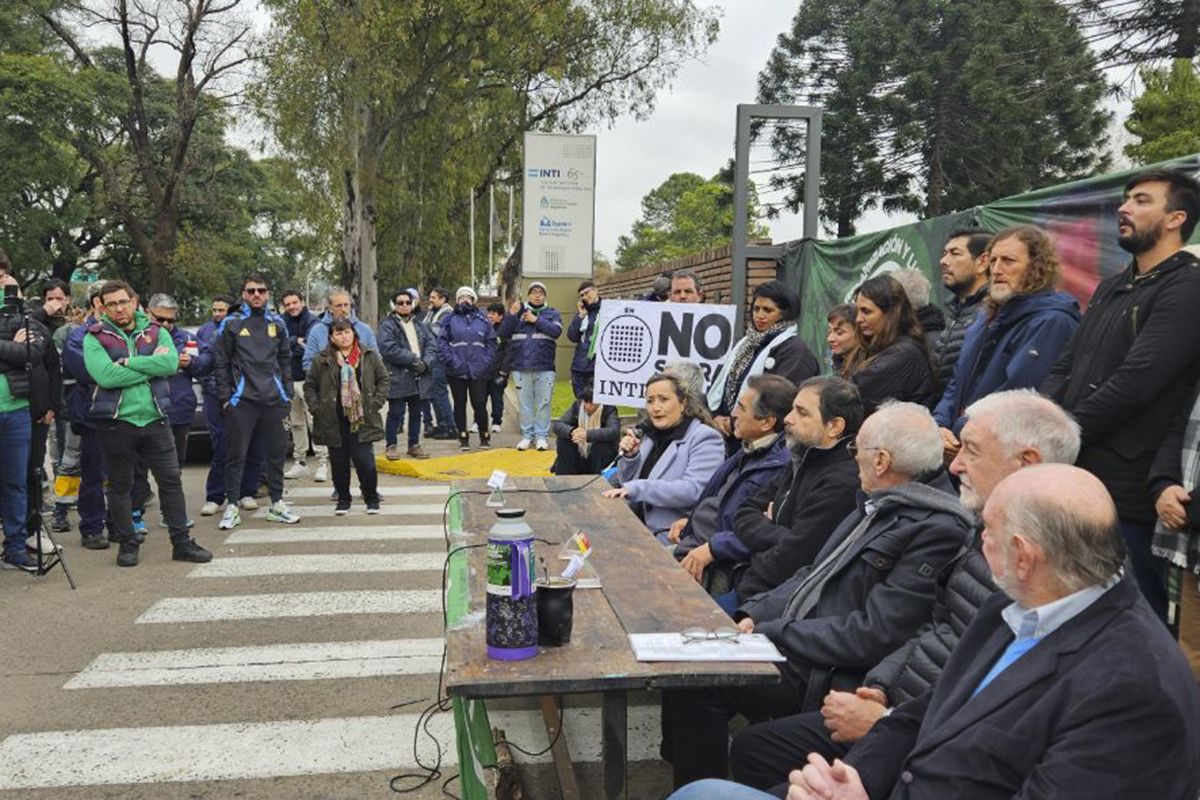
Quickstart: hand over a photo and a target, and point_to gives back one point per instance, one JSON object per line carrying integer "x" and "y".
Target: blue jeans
{"x": 713, "y": 789}
{"x": 16, "y": 430}
{"x": 395, "y": 418}
{"x": 534, "y": 390}
{"x": 439, "y": 397}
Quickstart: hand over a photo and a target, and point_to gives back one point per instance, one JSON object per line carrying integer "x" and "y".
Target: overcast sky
{"x": 692, "y": 127}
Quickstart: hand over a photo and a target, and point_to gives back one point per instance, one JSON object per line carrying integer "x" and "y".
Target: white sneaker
{"x": 279, "y": 512}
{"x": 474, "y": 427}
{"x": 495, "y": 427}
{"x": 230, "y": 519}
{"x": 523, "y": 444}
{"x": 542, "y": 444}
{"x": 248, "y": 503}
{"x": 297, "y": 470}
{"x": 209, "y": 508}
{"x": 322, "y": 473}
{"x": 47, "y": 544}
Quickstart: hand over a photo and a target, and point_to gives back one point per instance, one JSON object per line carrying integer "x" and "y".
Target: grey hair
{"x": 909, "y": 434}
{"x": 1022, "y": 419}
{"x": 1081, "y": 550}
{"x": 690, "y": 376}
{"x": 915, "y": 284}
{"x": 337, "y": 291}
{"x": 688, "y": 273}
{"x": 162, "y": 301}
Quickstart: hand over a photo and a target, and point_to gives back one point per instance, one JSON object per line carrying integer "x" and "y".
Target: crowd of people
{"x": 973, "y": 537}
{"x": 971, "y": 532}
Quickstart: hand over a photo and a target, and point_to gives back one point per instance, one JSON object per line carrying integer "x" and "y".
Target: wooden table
{"x": 643, "y": 591}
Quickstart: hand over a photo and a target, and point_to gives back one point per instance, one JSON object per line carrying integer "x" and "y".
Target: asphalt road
{"x": 293, "y": 666}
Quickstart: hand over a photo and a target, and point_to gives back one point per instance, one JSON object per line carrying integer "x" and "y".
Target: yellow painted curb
{"x": 476, "y": 464}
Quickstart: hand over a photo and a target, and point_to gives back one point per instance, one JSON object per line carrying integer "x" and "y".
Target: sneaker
{"x": 444, "y": 434}
{"x": 127, "y": 554}
{"x": 523, "y": 444}
{"x": 231, "y": 519}
{"x": 60, "y": 522}
{"x": 210, "y": 508}
{"x": 139, "y": 523}
{"x": 495, "y": 427}
{"x": 279, "y": 512}
{"x": 18, "y": 560}
{"x": 188, "y": 550}
{"x": 96, "y": 541}
{"x": 474, "y": 427}
{"x": 48, "y": 545}
{"x": 322, "y": 473}
{"x": 297, "y": 470}
{"x": 542, "y": 444}
{"x": 373, "y": 506}
{"x": 416, "y": 452}
{"x": 485, "y": 440}
{"x": 342, "y": 508}
{"x": 248, "y": 503}
{"x": 391, "y": 453}
{"x": 429, "y": 432}
{"x": 464, "y": 441}
{"x": 136, "y": 537}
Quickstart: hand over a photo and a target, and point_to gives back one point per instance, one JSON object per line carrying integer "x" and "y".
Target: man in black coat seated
{"x": 1065, "y": 684}
{"x": 866, "y": 593}
{"x": 780, "y": 528}
{"x": 1003, "y": 433}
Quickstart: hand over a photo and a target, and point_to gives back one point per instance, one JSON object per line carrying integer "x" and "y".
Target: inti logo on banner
{"x": 638, "y": 339}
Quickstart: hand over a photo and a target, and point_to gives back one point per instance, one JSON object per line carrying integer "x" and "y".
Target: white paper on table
{"x": 672, "y": 647}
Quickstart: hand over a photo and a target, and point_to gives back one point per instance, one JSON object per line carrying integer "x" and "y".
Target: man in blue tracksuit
{"x": 532, "y": 328}
{"x": 214, "y": 488}
{"x": 440, "y": 309}
{"x": 252, "y": 367}
{"x": 583, "y": 331}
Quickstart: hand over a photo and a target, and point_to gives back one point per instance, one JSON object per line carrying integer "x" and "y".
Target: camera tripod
{"x": 45, "y": 561}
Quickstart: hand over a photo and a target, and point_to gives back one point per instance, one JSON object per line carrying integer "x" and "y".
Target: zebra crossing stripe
{"x": 306, "y": 564}
{"x": 291, "y": 604}
{"x": 241, "y": 751}
{"x": 359, "y": 510}
{"x": 430, "y": 490}
{"x": 281, "y": 662}
{"x": 348, "y": 533}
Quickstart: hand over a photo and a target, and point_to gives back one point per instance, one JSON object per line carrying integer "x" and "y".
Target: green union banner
{"x": 1081, "y": 216}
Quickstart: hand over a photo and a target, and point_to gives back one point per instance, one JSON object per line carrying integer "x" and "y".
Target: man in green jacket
{"x": 129, "y": 357}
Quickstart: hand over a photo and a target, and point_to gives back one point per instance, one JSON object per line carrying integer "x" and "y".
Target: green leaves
{"x": 1166, "y": 117}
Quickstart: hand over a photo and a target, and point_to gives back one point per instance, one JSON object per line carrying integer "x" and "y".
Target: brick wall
{"x": 715, "y": 268}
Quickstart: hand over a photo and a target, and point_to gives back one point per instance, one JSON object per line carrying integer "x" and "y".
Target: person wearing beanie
{"x": 532, "y": 328}
{"x": 467, "y": 345}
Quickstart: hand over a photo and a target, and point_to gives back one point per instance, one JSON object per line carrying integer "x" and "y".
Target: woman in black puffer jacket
{"x": 891, "y": 361}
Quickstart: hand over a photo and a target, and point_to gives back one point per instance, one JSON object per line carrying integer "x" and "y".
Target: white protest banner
{"x": 559, "y": 205}
{"x": 637, "y": 339}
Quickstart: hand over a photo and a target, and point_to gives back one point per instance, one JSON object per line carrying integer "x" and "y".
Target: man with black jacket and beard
{"x": 1135, "y": 358}
{"x": 781, "y": 527}
{"x": 865, "y": 594}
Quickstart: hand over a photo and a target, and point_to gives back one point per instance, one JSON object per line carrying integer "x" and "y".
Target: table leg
{"x": 568, "y": 789}
{"x": 614, "y": 720}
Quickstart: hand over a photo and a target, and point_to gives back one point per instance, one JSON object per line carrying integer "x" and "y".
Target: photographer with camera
{"x": 21, "y": 346}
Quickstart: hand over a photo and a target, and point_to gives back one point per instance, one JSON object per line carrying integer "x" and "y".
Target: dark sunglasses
{"x": 256, "y": 290}
{"x": 164, "y": 320}
{"x": 404, "y": 302}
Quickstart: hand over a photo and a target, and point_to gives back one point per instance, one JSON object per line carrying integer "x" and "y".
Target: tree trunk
{"x": 359, "y": 255}
{"x": 1187, "y": 39}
